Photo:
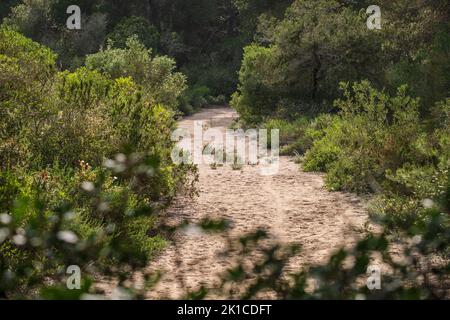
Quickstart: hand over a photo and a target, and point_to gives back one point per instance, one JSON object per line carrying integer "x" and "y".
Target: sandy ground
{"x": 292, "y": 205}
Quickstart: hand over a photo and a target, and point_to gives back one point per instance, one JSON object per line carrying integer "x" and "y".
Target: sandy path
{"x": 293, "y": 205}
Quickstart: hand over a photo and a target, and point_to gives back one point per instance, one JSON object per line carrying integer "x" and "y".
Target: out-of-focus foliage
{"x": 93, "y": 218}
{"x": 415, "y": 266}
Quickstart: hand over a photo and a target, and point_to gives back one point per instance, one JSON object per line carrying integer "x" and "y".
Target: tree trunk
{"x": 315, "y": 72}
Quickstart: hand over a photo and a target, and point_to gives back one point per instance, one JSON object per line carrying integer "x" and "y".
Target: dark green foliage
{"x": 202, "y": 35}
{"x": 316, "y": 45}
{"x": 251, "y": 11}
{"x": 320, "y": 43}
{"x": 5, "y": 7}
{"x": 147, "y": 34}
{"x": 58, "y": 8}
{"x": 299, "y": 60}
{"x": 256, "y": 95}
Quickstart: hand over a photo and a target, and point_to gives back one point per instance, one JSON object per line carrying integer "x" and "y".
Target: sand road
{"x": 292, "y": 205}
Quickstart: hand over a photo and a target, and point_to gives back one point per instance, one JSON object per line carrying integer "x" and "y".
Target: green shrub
{"x": 155, "y": 74}
{"x": 325, "y": 149}
{"x": 256, "y": 96}
{"x": 375, "y": 133}
{"x": 185, "y": 107}
{"x": 198, "y": 96}
{"x": 290, "y": 133}
{"x": 26, "y": 70}
{"x": 12, "y": 185}
{"x": 146, "y": 33}
{"x": 59, "y": 205}
{"x": 321, "y": 156}
{"x": 411, "y": 194}
{"x": 305, "y": 132}
{"x": 378, "y": 144}
{"x": 194, "y": 98}
{"x": 138, "y": 233}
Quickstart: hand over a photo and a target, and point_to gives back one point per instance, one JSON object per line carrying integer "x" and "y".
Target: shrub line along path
{"x": 293, "y": 205}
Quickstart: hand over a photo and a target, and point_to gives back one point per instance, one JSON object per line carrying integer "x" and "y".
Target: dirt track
{"x": 292, "y": 205}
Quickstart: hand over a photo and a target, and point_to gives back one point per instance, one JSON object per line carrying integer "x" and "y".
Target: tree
{"x": 146, "y": 33}
{"x": 315, "y": 46}
{"x": 321, "y": 43}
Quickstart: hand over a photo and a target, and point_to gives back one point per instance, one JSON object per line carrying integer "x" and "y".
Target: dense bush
{"x": 376, "y": 133}
{"x": 147, "y": 34}
{"x": 297, "y": 136}
{"x": 196, "y": 97}
{"x": 45, "y": 22}
{"x": 85, "y": 165}
{"x": 256, "y": 94}
{"x": 203, "y": 36}
{"x": 193, "y": 99}
{"x": 156, "y": 74}
{"x": 377, "y": 143}
{"x": 297, "y": 61}
{"x": 27, "y": 70}
{"x": 304, "y": 60}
